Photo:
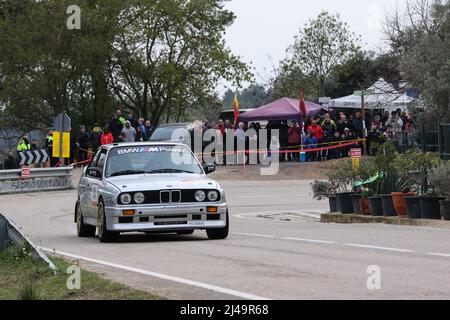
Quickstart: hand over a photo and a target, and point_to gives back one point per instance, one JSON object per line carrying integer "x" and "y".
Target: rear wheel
{"x": 185, "y": 232}
{"x": 219, "y": 234}
{"x": 83, "y": 230}
{"x": 104, "y": 235}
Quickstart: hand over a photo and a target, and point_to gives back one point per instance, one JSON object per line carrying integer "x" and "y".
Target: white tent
{"x": 381, "y": 95}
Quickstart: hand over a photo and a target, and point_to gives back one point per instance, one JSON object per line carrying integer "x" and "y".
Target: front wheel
{"x": 83, "y": 230}
{"x": 219, "y": 234}
{"x": 104, "y": 235}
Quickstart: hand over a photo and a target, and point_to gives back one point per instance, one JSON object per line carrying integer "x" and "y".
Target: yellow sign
{"x": 356, "y": 162}
{"x": 65, "y": 145}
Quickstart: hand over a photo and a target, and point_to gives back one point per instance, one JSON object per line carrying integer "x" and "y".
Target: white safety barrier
{"x": 46, "y": 179}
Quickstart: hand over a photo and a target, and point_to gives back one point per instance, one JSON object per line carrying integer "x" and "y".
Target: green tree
{"x": 253, "y": 96}
{"x": 322, "y": 44}
{"x": 421, "y": 38}
{"x": 171, "y": 54}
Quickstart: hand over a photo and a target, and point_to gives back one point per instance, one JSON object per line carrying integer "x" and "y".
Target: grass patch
{"x": 25, "y": 278}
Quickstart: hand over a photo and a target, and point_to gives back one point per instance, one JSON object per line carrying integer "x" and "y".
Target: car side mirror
{"x": 94, "y": 173}
{"x": 209, "y": 168}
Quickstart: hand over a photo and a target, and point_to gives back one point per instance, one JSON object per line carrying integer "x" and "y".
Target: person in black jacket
{"x": 11, "y": 162}
{"x": 82, "y": 143}
{"x": 116, "y": 125}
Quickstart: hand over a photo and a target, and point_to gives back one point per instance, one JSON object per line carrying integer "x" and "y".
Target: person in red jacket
{"x": 316, "y": 130}
{"x": 294, "y": 141}
{"x": 107, "y": 137}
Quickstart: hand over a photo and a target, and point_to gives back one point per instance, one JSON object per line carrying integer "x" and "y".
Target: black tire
{"x": 104, "y": 235}
{"x": 185, "y": 232}
{"x": 219, "y": 234}
{"x": 83, "y": 230}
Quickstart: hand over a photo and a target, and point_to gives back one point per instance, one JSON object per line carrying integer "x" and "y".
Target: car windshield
{"x": 169, "y": 134}
{"x": 151, "y": 160}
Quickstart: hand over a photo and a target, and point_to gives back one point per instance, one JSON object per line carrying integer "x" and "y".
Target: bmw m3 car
{"x": 149, "y": 187}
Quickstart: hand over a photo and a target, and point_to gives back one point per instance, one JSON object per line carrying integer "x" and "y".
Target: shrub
{"x": 439, "y": 177}
{"x": 322, "y": 190}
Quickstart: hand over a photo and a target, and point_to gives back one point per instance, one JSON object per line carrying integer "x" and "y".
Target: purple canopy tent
{"x": 282, "y": 109}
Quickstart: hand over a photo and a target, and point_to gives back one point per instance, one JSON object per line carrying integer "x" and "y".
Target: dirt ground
{"x": 287, "y": 171}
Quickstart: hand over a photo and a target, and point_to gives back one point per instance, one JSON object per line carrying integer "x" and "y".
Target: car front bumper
{"x": 166, "y": 218}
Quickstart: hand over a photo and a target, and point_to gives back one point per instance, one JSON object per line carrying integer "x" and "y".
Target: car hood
{"x": 149, "y": 182}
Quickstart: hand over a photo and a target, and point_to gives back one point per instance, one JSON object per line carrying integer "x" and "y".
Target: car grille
{"x": 170, "y": 197}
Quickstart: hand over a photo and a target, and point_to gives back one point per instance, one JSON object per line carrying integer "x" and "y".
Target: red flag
{"x": 236, "y": 110}
{"x": 303, "y": 111}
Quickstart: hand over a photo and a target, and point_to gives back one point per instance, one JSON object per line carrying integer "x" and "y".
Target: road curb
{"x": 351, "y": 218}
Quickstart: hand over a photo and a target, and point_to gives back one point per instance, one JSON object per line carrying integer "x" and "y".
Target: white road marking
{"x": 445, "y": 255}
{"x": 310, "y": 240}
{"x": 244, "y": 217}
{"x": 378, "y": 248}
{"x": 211, "y": 287}
{"x": 255, "y": 235}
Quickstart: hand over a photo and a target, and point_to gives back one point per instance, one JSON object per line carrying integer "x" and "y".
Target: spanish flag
{"x": 303, "y": 111}
{"x": 236, "y": 110}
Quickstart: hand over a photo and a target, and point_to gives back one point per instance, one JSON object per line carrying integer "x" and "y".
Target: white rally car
{"x": 149, "y": 187}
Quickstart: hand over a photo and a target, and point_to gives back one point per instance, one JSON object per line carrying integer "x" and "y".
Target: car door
{"x": 85, "y": 186}
{"x": 94, "y": 183}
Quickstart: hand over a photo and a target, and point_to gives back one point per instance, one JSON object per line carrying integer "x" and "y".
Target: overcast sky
{"x": 265, "y": 28}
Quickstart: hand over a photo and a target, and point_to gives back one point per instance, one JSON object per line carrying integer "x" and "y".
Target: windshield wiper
{"x": 171, "y": 171}
{"x": 128, "y": 172}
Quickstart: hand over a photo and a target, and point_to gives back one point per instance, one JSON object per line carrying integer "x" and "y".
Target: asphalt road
{"x": 277, "y": 250}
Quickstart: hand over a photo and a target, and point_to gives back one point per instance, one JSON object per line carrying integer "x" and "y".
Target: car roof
{"x": 175, "y": 125}
{"x": 141, "y": 144}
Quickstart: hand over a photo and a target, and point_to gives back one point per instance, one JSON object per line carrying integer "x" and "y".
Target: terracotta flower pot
{"x": 364, "y": 204}
{"x": 399, "y": 202}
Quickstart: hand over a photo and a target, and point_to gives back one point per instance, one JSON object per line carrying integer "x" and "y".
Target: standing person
{"x": 310, "y": 142}
{"x": 130, "y": 118}
{"x": 24, "y": 144}
{"x": 49, "y": 147}
{"x": 274, "y": 148}
{"x": 240, "y": 139}
{"x": 139, "y": 136}
{"x": 82, "y": 143}
{"x": 294, "y": 140}
{"x": 128, "y": 132}
{"x": 95, "y": 138}
{"x": 284, "y": 140}
{"x": 148, "y": 130}
{"x": 107, "y": 137}
{"x": 316, "y": 130}
{"x": 343, "y": 123}
{"x": 11, "y": 162}
{"x": 328, "y": 125}
{"x": 228, "y": 125}
{"x": 116, "y": 125}
{"x": 397, "y": 126}
{"x": 358, "y": 125}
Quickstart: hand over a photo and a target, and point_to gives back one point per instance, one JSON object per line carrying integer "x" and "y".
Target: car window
{"x": 102, "y": 160}
{"x": 94, "y": 161}
{"x": 167, "y": 134}
{"x": 152, "y": 160}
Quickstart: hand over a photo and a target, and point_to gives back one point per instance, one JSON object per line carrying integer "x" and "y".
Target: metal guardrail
{"x": 36, "y": 173}
{"x": 46, "y": 179}
{"x": 10, "y": 233}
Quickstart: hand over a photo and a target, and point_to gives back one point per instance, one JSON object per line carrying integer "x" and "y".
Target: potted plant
{"x": 323, "y": 190}
{"x": 412, "y": 204}
{"x": 388, "y": 205}
{"x": 343, "y": 177}
{"x": 411, "y": 169}
{"x": 440, "y": 180}
{"x": 364, "y": 202}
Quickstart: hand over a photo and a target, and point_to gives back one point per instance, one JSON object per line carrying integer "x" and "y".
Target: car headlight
{"x": 213, "y": 196}
{"x": 125, "y": 198}
{"x": 139, "y": 198}
{"x": 200, "y": 196}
